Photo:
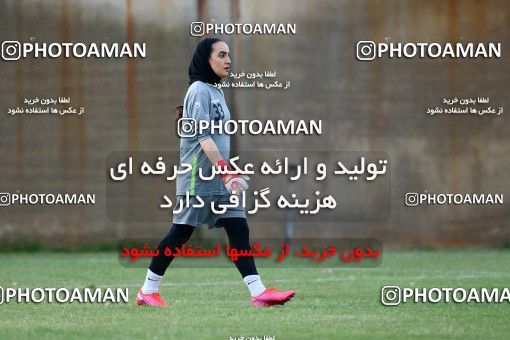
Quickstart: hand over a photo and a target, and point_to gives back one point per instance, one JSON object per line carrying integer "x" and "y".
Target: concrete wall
{"x": 376, "y": 106}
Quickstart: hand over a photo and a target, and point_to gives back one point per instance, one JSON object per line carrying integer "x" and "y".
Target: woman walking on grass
{"x": 204, "y": 101}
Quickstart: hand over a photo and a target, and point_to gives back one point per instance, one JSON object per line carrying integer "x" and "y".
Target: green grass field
{"x": 214, "y": 302}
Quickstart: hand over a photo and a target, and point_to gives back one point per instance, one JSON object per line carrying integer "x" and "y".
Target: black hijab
{"x": 199, "y": 68}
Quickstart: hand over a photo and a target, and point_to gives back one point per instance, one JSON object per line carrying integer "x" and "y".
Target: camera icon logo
{"x": 390, "y": 295}
{"x": 11, "y": 50}
{"x": 411, "y": 199}
{"x": 5, "y": 199}
{"x": 197, "y": 29}
{"x": 187, "y": 127}
{"x": 365, "y": 50}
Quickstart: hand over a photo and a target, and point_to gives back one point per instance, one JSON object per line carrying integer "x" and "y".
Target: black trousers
{"x": 238, "y": 235}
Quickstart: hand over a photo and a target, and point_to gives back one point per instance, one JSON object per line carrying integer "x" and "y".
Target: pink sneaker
{"x": 153, "y": 299}
{"x": 272, "y": 297}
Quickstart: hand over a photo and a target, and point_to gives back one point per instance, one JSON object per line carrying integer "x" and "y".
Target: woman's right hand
{"x": 236, "y": 184}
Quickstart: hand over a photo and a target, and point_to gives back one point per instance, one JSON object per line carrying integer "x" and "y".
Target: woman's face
{"x": 220, "y": 59}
